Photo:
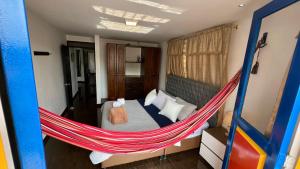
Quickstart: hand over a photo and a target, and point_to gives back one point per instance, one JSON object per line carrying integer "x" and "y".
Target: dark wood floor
{"x": 60, "y": 155}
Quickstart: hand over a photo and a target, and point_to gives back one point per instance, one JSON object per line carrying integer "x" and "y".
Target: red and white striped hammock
{"x": 114, "y": 142}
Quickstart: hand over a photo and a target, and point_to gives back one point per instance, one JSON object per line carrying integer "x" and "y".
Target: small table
{"x": 213, "y": 145}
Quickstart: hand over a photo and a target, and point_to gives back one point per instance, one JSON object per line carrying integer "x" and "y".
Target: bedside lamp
{"x": 227, "y": 121}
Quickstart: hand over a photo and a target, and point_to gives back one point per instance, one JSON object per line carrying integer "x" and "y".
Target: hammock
{"x": 114, "y": 142}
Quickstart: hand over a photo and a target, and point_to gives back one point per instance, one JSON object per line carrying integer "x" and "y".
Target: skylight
{"x": 117, "y": 26}
{"x": 130, "y": 15}
{"x": 162, "y": 7}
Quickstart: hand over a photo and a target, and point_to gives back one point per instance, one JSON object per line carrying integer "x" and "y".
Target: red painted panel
{"x": 243, "y": 155}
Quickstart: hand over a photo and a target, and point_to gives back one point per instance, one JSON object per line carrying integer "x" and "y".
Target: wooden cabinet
{"x": 115, "y": 71}
{"x": 152, "y": 67}
{"x": 118, "y": 83}
{"x": 134, "y": 87}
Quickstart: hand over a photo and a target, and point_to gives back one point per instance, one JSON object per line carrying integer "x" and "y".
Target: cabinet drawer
{"x": 210, "y": 157}
{"x": 213, "y": 144}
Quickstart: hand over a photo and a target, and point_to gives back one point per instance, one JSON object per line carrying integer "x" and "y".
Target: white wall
{"x": 98, "y": 68}
{"x": 133, "y": 69}
{"x": 274, "y": 59}
{"x": 48, "y": 70}
{"x": 163, "y": 65}
{"x": 101, "y": 64}
{"x": 131, "y": 55}
{"x": 5, "y": 140}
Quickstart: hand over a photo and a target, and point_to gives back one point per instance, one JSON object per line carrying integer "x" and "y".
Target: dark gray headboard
{"x": 194, "y": 92}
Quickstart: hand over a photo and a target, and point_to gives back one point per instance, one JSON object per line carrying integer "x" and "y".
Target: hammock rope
{"x": 114, "y": 142}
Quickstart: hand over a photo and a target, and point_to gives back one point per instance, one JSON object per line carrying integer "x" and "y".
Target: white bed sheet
{"x": 132, "y": 106}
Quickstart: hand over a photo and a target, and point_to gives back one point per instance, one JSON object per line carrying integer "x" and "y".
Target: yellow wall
{"x": 3, "y": 163}
{"x": 298, "y": 164}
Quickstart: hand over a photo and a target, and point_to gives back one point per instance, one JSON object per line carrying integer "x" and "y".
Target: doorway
{"x": 82, "y": 73}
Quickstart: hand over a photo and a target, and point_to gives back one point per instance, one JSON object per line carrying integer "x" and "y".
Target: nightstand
{"x": 213, "y": 145}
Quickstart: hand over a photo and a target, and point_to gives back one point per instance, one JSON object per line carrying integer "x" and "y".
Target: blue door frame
{"x": 17, "y": 67}
{"x": 19, "y": 80}
{"x": 277, "y": 145}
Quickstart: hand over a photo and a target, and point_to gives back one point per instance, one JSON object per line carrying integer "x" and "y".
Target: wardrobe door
{"x": 120, "y": 86}
{"x": 156, "y": 61}
{"x": 111, "y": 70}
{"x": 147, "y": 55}
{"x": 111, "y": 58}
{"x": 151, "y": 69}
{"x": 120, "y": 60}
{"x": 155, "y": 69}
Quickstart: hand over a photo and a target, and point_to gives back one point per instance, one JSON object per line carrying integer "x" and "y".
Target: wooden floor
{"x": 60, "y": 155}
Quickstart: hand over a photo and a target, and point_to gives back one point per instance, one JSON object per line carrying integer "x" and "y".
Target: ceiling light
{"x": 110, "y": 25}
{"x": 241, "y": 5}
{"x": 131, "y": 22}
{"x": 130, "y": 15}
{"x": 162, "y": 7}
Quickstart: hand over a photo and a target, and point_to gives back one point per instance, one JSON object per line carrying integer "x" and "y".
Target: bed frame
{"x": 186, "y": 144}
{"x": 192, "y": 91}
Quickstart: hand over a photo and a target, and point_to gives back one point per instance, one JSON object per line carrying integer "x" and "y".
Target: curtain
{"x": 202, "y": 56}
{"x": 176, "y": 61}
{"x": 207, "y": 54}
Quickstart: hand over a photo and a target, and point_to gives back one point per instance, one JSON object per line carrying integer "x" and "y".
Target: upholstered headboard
{"x": 194, "y": 92}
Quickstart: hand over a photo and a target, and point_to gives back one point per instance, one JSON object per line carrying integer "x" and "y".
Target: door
{"x": 151, "y": 66}
{"x": 115, "y": 71}
{"x": 120, "y": 59}
{"x": 247, "y": 146}
{"x": 111, "y": 70}
{"x": 120, "y": 69}
{"x": 67, "y": 75}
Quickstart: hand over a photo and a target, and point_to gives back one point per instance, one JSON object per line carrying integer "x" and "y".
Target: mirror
{"x": 133, "y": 61}
{"x": 266, "y": 86}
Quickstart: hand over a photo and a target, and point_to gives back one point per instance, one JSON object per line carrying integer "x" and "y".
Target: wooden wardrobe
{"x": 116, "y": 70}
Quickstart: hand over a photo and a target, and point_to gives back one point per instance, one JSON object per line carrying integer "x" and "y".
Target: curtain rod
{"x": 233, "y": 26}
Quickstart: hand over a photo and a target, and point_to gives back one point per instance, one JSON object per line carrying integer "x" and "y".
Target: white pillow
{"x": 187, "y": 110}
{"x": 171, "y": 110}
{"x": 161, "y": 98}
{"x": 150, "y": 97}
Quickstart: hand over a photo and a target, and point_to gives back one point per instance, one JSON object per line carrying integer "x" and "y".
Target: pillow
{"x": 161, "y": 98}
{"x": 187, "y": 110}
{"x": 171, "y": 110}
{"x": 150, "y": 97}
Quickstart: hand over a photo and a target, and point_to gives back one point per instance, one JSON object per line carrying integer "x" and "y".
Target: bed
{"x": 142, "y": 118}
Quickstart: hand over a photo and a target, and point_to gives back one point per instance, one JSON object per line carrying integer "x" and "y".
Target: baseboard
{"x": 63, "y": 114}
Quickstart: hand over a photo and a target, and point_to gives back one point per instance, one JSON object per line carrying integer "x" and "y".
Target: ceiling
{"x": 158, "y": 20}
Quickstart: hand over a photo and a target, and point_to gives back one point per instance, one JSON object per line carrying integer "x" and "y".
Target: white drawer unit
{"x": 213, "y": 145}
{"x": 210, "y": 157}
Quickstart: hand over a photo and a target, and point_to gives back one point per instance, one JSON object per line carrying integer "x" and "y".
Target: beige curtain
{"x": 176, "y": 60}
{"x": 201, "y": 56}
{"x": 207, "y": 54}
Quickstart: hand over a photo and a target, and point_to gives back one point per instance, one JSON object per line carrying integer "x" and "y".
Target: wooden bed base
{"x": 186, "y": 144}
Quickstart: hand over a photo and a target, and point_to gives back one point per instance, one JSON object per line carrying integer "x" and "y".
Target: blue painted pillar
{"x": 20, "y": 86}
